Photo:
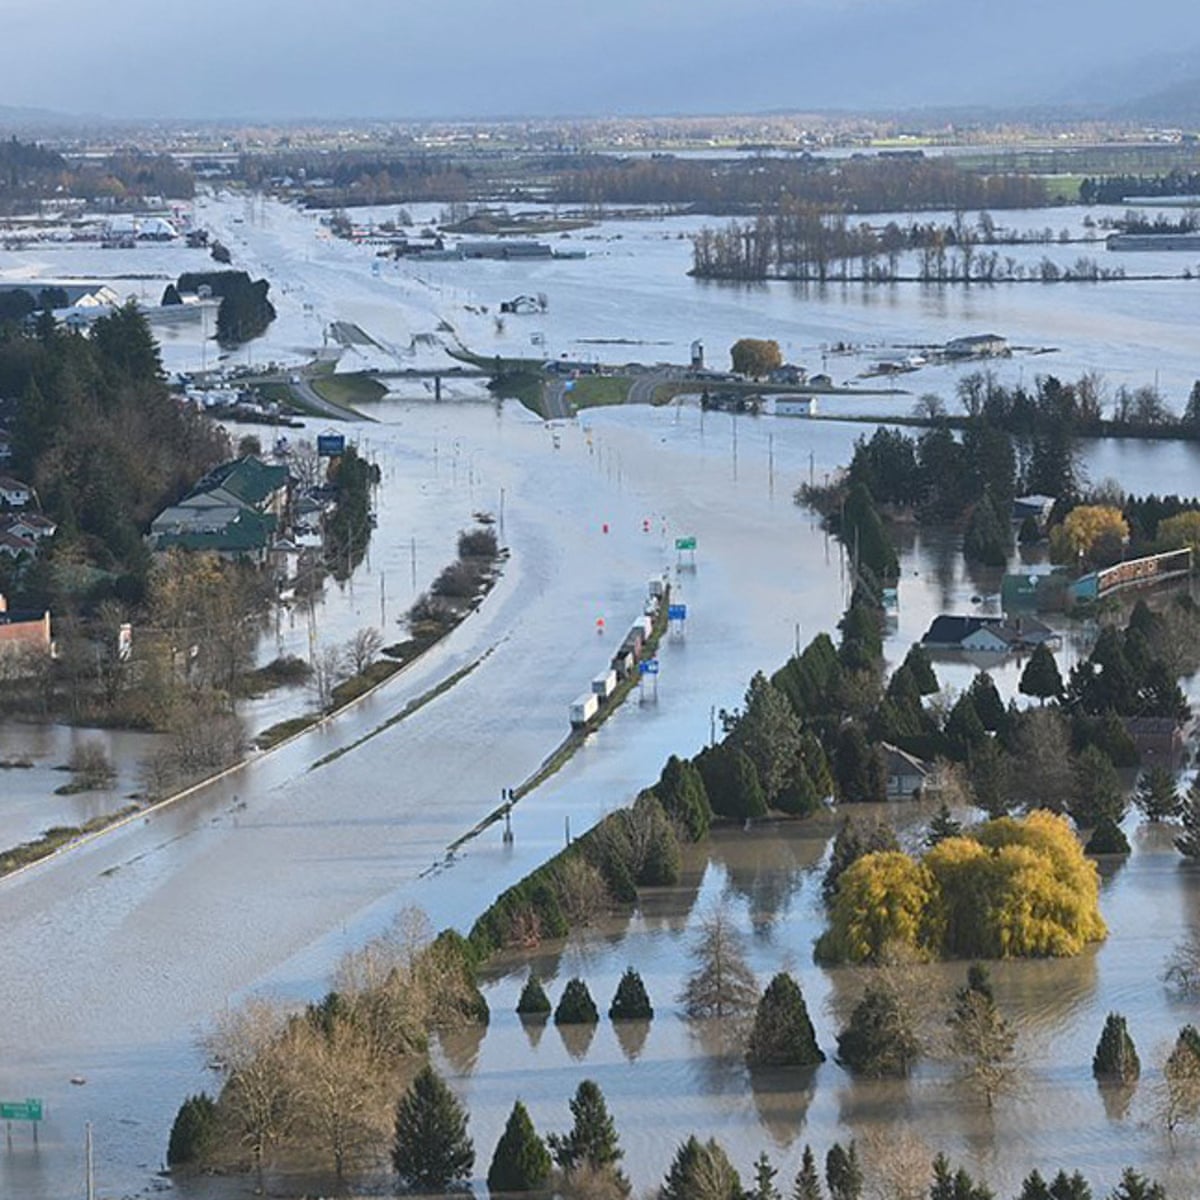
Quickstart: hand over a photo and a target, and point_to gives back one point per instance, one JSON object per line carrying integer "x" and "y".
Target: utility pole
{"x": 89, "y": 1164}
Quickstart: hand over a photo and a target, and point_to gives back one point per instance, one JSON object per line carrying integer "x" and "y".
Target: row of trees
{"x": 810, "y": 243}
{"x": 30, "y": 173}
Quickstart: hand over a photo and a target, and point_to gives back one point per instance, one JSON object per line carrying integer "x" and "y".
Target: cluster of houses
{"x": 22, "y": 528}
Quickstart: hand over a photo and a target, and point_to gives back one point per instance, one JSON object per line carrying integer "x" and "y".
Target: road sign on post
{"x": 20, "y": 1110}
{"x": 676, "y": 612}
{"x": 685, "y": 543}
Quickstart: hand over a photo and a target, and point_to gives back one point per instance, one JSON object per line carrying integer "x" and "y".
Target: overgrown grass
{"x": 358, "y": 685}
{"x": 282, "y": 730}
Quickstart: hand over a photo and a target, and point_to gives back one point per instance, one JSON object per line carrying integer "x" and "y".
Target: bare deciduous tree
{"x": 363, "y": 648}
{"x": 257, "y": 1099}
{"x": 341, "y": 1101}
{"x": 722, "y": 985}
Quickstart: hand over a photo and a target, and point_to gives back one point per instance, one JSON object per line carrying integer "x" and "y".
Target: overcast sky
{"x": 298, "y": 58}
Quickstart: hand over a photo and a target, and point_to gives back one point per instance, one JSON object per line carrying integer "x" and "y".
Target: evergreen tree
{"x": 431, "y": 1149}
{"x": 767, "y": 730}
{"x": 701, "y": 1171}
{"x": 942, "y": 826}
{"x": 964, "y": 730}
{"x": 1116, "y": 1059}
{"x": 592, "y": 1141}
{"x": 843, "y": 1175}
{"x": 764, "y": 1180}
{"x": 1098, "y": 789}
{"x": 193, "y": 1133}
{"x": 863, "y": 534}
{"x": 1041, "y": 677}
{"x": 880, "y": 1039}
{"x": 1107, "y": 838}
{"x": 521, "y": 1162}
{"x": 859, "y": 767}
{"x": 954, "y": 1185}
{"x": 1069, "y": 1187}
{"x": 630, "y": 1003}
{"x": 799, "y": 796}
{"x": 987, "y": 539}
{"x": 808, "y": 1181}
{"x": 749, "y": 802}
{"x": 533, "y": 1001}
{"x": 1157, "y": 795}
{"x": 851, "y": 843}
{"x": 816, "y": 765}
{"x": 920, "y": 665}
{"x": 680, "y": 791}
{"x": 1137, "y": 1187}
{"x": 988, "y": 769}
{"x": 1034, "y": 1187}
{"x": 783, "y": 1034}
{"x": 1188, "y": 842}
{"x": 989, "y": 708}
{"x": 576, "y": 1006}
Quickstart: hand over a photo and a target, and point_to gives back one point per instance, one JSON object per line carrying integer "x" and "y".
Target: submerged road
{"x": 119, "y": 956}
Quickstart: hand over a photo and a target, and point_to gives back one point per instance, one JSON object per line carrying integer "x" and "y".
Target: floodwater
{"x": 118, "y": 957}
{"x": 670, "y": 1077}
{"x": 28, "y": 805}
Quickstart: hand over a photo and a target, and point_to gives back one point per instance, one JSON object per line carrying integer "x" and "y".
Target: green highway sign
{"x": 20, "y": 1110}
{"x": 685, "y": 543}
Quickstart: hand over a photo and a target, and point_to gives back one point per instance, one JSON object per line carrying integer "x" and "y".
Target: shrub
{"x": 631, "y": 1002}
{"x": 459, "y": 581}
{"x": 478, "y": 543}
{"x": 576, "y": 1006}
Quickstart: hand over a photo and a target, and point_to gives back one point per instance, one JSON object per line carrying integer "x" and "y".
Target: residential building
{"x": 987, "y": 635}
{"x": 14, "y": 493}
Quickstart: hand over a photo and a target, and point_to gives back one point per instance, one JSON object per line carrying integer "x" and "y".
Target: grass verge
{"x": 56, "y": 838}
{"x": 595, "y": 391}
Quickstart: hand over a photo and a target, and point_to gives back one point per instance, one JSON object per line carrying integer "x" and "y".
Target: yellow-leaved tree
{"x": 1013, "y": 888}
{"x": 883, "y": 900}
{"x": 1179, "y": 531}
{"x": 1093, "y": 534}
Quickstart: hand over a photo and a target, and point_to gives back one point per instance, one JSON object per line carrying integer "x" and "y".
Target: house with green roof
{"x": 234, "y": 511}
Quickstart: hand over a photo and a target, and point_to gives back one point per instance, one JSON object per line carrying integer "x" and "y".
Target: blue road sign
{"x": 649, "y": 667}
{"x": 677, "y": 612}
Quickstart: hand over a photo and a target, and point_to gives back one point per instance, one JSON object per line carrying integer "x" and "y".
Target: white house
{"x": 14, "y": 493}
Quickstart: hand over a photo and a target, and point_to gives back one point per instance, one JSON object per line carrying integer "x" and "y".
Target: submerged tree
{"x": 880, "y": 1039}
{"x": 982, "y": 1040}
{"x": 576, "y": 1006}
{"x": 1116, "y": 1059}
{"x": 631, "y": 1003}
{"x": 722, "y": 985}
{"x": 783, "y": 1034}
{"x": 1157, "y": 795}
{"x": 533, "y": 1001}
